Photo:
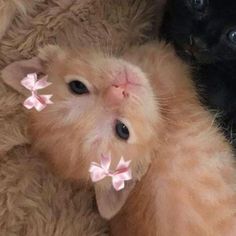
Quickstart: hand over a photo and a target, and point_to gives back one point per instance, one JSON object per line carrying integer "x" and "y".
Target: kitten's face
{"x": 203, "y": 29}
{"x": 101, "y": 105}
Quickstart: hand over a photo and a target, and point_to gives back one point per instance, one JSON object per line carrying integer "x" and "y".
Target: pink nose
{"x": 116, "y": 93}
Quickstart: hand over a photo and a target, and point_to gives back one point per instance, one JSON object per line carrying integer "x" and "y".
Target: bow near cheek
{"x": 118, "y": 177}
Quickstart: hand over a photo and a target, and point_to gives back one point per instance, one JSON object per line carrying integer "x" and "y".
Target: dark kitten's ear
{"x": 110, "y": 201}
{"x": 16, "y": 71}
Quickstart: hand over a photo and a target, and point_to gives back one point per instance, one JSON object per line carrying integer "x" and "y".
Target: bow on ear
{"x": 119, "y": 176}
{"x": 112, "y": 194}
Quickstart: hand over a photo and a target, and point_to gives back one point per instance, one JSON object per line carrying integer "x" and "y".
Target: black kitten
{"x": 204, "y": 34}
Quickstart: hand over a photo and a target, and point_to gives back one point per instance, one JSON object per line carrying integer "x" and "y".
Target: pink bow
{"x": 119, "y": 176}
{"x": 35, "y": 100}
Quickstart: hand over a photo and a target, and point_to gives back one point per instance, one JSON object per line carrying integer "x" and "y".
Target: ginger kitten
{"x": 144, "y": 107}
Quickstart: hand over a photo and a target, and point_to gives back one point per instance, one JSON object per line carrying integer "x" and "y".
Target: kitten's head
{"x": 204, "y": 30}
{"x": 101, "y": 105}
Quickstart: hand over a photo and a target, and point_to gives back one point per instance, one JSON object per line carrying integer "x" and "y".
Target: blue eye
{"x": 121, "y": 130}
{"x": 78, "y": 87}
{"x": 199, "y": 5}
{"x": 232, "y": 36}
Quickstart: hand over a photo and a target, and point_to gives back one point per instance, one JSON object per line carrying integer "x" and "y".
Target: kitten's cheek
{"x": 96, "y": 142}
{"x": 93, "y": 142}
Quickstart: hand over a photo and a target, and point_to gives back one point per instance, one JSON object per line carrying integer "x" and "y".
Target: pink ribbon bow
{"x": 39, "y": 102}
{"x": 119, "y": 176}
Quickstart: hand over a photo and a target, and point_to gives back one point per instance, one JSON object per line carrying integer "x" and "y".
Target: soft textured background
{"x": 33, "y": 201}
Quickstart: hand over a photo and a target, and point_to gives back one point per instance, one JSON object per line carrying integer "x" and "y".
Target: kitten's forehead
{"x": 217, "y": 18}
{"x": 226, "y": 7}
{"x": 224, "y": 10}
{"x": 223, "y": 4}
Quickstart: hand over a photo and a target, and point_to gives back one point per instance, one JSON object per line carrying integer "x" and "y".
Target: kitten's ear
{"x": 16, "y": 71}
{"x": 110, "y": 201}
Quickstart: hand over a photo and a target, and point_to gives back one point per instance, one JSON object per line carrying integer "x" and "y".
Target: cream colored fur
{"x": 33, "y": 202}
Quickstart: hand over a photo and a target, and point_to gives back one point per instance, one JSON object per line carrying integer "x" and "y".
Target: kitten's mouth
{"x": 193, "y": 54}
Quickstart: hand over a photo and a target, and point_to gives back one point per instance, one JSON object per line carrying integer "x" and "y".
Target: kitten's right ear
{"x": 16, "y": 71}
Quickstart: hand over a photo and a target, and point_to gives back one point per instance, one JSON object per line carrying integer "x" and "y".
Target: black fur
{"x": 204, "y": 36}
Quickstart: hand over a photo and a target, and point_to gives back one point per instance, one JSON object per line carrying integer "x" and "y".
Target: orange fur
{"x": 189, "y": 188}
{"x": 88, "y": 121}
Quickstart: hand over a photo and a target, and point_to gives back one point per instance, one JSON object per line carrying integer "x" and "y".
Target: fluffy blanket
{"x": 33, "y": 201}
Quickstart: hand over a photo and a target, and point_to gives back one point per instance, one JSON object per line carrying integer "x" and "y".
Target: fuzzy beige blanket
{"x": 33, "y": 201}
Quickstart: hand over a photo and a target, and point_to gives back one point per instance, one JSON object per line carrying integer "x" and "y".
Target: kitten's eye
{"x": 78, "y": 87}
{"x": 121, "y": 130}
{"x": 232, "y": 36}
{"x": 199, "y": 5}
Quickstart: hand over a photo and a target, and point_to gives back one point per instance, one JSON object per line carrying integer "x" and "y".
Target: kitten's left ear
{"x": 16, "y": 71}
{"x": 110, "y": 201}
